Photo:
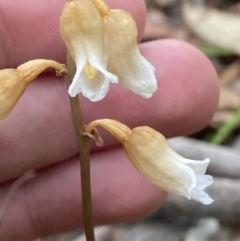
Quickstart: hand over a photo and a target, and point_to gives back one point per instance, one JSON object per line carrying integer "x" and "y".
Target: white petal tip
{"x": 208, "y": 201}
{"x": 96, "y": 99}
{"x": 206, "y": 160}
{"x": 149, "y": 94}
{"x": 72, "y": 93}
{"x": 114, "y": 79}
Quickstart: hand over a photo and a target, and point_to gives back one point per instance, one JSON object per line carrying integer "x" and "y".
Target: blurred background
{"x": 213, "y": 27}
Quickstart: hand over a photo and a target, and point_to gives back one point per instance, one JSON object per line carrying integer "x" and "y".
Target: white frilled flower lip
{"x": 103, "y": 45}
{"x": 149, "y": 152}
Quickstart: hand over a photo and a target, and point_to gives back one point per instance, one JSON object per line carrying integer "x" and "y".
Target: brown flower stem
{"x": 84, "y": 155}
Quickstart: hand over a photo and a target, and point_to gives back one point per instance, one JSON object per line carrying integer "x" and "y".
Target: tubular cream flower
{"x": 125, "y": 60}
{"x": 82, "y": 30}
{"x": 149, "y": 152}
{"x": 103, "y": 45}
{"x": 13, "y": 82}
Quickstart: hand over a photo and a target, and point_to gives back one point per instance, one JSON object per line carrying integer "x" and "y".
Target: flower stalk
{"x": 84, "y": 155}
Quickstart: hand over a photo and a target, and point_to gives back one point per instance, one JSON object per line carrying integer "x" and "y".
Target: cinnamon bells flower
{"x": 149, "y": 152}
{"x": 13, "y": 82}
{"x": 103, "y": 45}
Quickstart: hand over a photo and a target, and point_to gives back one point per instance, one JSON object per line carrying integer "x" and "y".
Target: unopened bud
{"x": 11, "y": 89}
{"x": 13, "y": 82}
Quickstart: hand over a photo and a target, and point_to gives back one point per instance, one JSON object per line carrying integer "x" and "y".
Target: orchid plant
{"x": 102, "y": 49}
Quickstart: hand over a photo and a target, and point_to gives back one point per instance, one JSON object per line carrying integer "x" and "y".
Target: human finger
{"x": 39, "y": 131}
{"x": 51, "y": 202}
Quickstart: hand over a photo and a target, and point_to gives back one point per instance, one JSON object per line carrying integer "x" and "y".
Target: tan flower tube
{"x": 149, "y": 152}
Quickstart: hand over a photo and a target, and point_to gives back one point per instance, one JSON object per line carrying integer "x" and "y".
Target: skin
{"x": 39, "y": 133}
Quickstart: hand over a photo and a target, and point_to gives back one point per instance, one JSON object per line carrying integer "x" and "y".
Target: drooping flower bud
{"x": 149, "y": 152}
{"x": 11, "y": 89}
{"x": 13, "y": 82}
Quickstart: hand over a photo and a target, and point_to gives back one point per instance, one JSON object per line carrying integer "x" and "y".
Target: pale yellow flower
{"x": 149, "y": 152}
{"x": 103, "y": 44}
{"x": 13, "y": 82}
{"x": 82, "y": 29}
{"x": 125, "y": 60}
